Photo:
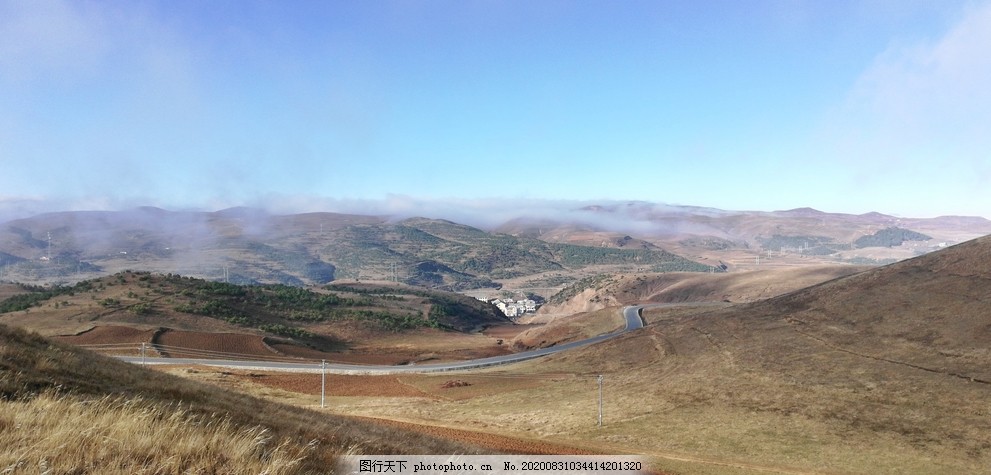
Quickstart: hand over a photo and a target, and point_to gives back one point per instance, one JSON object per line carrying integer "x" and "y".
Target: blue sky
{"x": 302, "y": 106}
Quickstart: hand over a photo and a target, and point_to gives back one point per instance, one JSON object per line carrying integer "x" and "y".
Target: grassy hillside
{"x": 881, "y": 372}
{"x": 885, "y": 371}
{"x": 65, "y": 410}
{"x": 605, "y": 290}
{"x": 308, "y": 316}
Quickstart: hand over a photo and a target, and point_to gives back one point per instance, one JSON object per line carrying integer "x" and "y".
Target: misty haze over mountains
{"x": 482, "y": 213}
{"x": 456, "y": 245}
{"x": 634, "y": 216}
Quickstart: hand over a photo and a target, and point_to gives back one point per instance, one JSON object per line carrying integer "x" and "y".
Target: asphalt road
{"x": 633, "y": 322}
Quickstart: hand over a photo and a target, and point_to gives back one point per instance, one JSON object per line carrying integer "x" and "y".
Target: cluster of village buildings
{"x": 513, "y": 308}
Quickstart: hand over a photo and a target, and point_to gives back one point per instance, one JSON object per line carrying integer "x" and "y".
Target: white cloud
{"x": 925, "y": 94}
{"x": 920, "y": 115}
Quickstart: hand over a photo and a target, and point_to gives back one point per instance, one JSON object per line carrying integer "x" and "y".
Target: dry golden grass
{"x": 880, "y": 372}
{"x": 32, "y": 366}
{"x": 116, "y": 435}
{"x": 573, "y": 328}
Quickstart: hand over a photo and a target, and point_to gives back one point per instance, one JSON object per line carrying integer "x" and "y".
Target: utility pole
{"x": 142, "y": 353}
{"x": 323, "y": 381}
{"x": 600, "y": 400}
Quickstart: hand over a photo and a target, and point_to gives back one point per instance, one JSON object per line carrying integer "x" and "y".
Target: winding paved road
{"x": 631, "y": 313}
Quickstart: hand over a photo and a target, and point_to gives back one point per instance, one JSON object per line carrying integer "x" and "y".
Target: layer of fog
{"x": 637, "y": 218}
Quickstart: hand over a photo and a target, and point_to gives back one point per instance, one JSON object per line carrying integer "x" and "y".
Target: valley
{"x": 329, "y": 237}
{"x": 799, "y": 364}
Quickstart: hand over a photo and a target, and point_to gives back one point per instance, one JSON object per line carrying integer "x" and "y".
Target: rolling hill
{"x": 67, "y": 410}
{"x": 883, "y": 371}
{"x": 736, "y": 237}
{"x": 325, "y": 322}
{"x": 609, "y": 290}
{"x": 243, "y": 245}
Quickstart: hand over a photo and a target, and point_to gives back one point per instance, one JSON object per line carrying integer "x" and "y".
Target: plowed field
{"x": 192, "y": 344}
{"x": 217, "y": 344}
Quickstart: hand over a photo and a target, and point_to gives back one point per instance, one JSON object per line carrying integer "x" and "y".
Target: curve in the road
{"x": 631, "y": 314}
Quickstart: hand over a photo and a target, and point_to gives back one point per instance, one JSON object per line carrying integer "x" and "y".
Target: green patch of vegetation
{"x": 272, "y": 307}
{"x": 550, "y": 281}
{"x": 34, "y": 296}
{"x": 211, "y": 308}
{"x": 447, "y": 310}
{"x": 285, "y": 330}
{"x": 143, "y": 308}
{"x": 889, "y": 237}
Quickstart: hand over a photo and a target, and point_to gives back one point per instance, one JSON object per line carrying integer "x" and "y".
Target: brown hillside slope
{"x": 933, "y": 311}
{"x": 32, "y": 368}
{"x": 682, "y": 287}
{"x": 886, "y": 371}
{"x": 745, "y": 286}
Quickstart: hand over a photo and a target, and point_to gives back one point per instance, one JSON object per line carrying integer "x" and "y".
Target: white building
{"x": 512, "y": 308}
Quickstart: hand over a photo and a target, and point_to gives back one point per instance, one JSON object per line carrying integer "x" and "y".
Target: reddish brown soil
{"x": 234, "y": 344}
{"x": 390, "y": 356}
{"x": 207, "y": 344}
{"x": 110, "y": 334}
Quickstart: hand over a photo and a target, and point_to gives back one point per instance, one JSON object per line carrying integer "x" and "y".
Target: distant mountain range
{"x": 249, "y": 246}
{"x": 245, "y": 245}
